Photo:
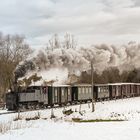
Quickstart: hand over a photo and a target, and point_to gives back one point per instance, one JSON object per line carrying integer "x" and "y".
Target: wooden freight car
{"x": 101, "y": 92}
{"x": 81, "y": 93}
{"x": 59, "y": 94}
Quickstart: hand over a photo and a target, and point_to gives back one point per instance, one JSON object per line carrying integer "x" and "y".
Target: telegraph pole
{"x": 52, "y": 111}
{"x": 17, "y": 95}
{"x": 93, "y": 100}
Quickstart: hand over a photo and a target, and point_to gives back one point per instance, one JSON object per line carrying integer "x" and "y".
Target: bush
{"x": 36, "y": 117}
{"x": 67, "y": 112}
{"x": 4, "y": 127}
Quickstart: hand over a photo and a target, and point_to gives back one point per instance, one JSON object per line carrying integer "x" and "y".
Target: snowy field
{"x": 62, "y": 127}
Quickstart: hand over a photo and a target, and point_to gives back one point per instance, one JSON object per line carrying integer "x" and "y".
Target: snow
{"x": 3, "y": 111}
{"x": 62, "y": 127}
{"x": 44, "y": 130}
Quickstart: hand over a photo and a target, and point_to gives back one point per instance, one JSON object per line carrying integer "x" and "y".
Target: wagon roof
{"x": 100, "y": 84}
{"x": 78, "y": 85}
{"x": 122, "y": 83}
{"x": 117, "y": 84}
{"x": 60, "y": 85}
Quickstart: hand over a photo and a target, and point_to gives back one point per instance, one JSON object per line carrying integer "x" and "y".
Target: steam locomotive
{"x": 35, "y": 97}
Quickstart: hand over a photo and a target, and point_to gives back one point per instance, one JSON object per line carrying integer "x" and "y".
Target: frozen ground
{"x": 62, "y": 126}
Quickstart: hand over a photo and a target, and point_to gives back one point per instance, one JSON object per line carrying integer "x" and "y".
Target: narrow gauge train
{"x": 47, "y": 96}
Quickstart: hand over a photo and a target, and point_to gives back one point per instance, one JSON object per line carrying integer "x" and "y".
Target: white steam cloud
{"x": 59, "y": 63}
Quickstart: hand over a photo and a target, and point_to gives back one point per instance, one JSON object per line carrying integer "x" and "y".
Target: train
{"x": 37, "y": 97}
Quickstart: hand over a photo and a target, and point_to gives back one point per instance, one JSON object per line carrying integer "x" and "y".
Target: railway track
{"x": 54, "y": 107}
{"x": 75, "y": 104}
{"x": 8, "y": 112}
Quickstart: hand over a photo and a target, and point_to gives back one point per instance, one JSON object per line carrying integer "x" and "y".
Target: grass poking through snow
{"x": 96, "y": 120}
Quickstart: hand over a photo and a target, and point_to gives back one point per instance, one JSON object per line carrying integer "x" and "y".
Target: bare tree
{"x": 67, "y": 42}
{"x": 13, "y": 49}
{"x": 53, "y": 43}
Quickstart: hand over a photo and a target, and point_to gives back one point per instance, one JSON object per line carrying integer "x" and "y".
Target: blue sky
{"x": 91, "y": 21}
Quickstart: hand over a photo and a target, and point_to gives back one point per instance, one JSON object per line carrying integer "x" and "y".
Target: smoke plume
{"x": 74, "y": 61}
{"x": 24, "y": 67}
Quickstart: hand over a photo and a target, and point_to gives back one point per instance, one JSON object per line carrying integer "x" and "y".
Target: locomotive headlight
{"x": 9, "y": 90}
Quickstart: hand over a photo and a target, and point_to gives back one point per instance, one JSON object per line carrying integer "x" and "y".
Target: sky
{"x": 90, "y": 21}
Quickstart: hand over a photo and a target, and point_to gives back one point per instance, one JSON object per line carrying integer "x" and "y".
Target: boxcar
{"x": 81, "y": 92}
{"x": 101, "y": 91}
{"x": 115, "y": 90}
{"x": 118, "y": 90}
{"x": 65, "y": 94}
{"x": 127, "y": 89}
{"x": 60, "y": 94}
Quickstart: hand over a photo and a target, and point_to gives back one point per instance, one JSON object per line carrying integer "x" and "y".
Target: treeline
{"x": 111, "y": 75}
{"x": 13, "y": 49}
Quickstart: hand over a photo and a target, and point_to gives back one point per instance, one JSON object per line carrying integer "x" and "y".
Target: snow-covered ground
{"x": 62, "y": 127}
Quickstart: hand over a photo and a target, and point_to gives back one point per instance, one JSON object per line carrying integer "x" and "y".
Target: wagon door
{"x": 122, "y": 90}
{"x": 50, "y": 95}
{"x": 138, "y": 89}
{"x": 69, "y": 95}
{"x": 44, "y": 95}
{"x": 117, "y": 91}
{"x": 66, "y": 95}
{"x": 114, "y": 91}
{"x": 74, "y": 93}
{"x": 95, "y": 93}
{"x": 135, "y": 90}
{"x": 88, "y": 91}
{"x": 56, "y": 95}
{"x": 63, "y": 94}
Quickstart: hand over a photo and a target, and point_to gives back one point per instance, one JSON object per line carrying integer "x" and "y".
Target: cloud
{"x": 98, "y": 21}
{"x": 136, "y": 3}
